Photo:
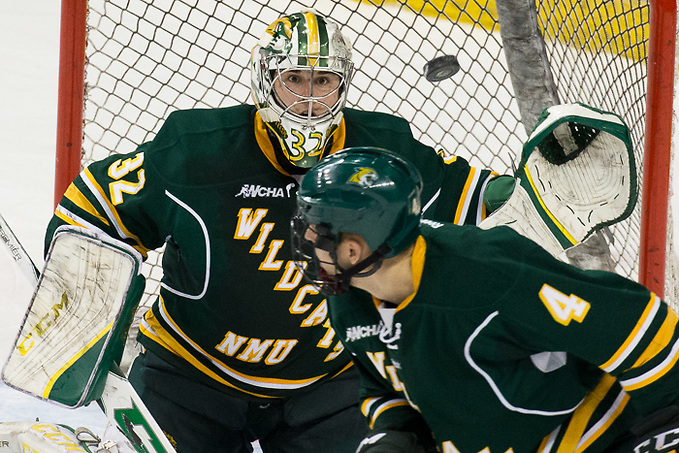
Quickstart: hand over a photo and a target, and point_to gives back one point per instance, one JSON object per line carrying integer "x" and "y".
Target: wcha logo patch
{"x": 255, "y": 190}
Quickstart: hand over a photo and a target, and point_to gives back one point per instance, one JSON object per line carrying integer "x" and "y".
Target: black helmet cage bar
{"x": 307, "y": 261}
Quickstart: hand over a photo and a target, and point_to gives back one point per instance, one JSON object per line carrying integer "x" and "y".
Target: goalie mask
{"x": 301, "y": 69}
{"x": 367, "y": 191}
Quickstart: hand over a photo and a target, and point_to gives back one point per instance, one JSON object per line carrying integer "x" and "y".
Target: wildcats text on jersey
{"x": 250, "y": 224}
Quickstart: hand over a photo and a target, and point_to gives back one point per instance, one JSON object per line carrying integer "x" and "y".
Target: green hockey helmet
{"x": 300, "y": 74}
{"x": 368, "y": 191}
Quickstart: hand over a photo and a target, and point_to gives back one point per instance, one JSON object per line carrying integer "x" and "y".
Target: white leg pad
{"x": 22, "y": 437}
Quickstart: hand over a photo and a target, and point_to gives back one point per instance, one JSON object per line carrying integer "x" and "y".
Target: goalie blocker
{"x": 76, "y": 325}
{"x": 577, "y": 174}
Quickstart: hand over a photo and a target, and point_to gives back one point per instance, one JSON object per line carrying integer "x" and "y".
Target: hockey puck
{"x": 441, "y": 68}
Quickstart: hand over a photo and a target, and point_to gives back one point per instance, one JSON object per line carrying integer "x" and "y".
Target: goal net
{"x": 146, "y": 58}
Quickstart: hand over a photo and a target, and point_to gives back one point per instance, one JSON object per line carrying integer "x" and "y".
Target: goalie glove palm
{"x": 577, "y": 175}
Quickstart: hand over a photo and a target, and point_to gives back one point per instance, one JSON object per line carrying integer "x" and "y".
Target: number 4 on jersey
{"x": 563, "y": 308}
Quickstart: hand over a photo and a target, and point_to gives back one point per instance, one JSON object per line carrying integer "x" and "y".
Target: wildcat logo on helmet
{"x": 364, "y": 177}
{"x": 281, "y": 32}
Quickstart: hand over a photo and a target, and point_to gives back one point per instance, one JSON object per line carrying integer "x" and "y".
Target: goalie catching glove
{"x": 577, "y": 174}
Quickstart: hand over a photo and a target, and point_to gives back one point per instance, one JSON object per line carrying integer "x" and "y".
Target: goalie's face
{"x": 301, "y": 70}
{"x": 308, "y": 93}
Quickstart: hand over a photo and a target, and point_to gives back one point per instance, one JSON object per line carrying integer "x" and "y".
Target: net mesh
{"x": 146, "y": 58}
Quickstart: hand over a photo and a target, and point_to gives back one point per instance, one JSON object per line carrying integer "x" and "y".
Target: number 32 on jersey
{"x": 563, "y": 308}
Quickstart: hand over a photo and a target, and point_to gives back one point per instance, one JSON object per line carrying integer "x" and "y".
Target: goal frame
{"x": 657, "y": 136}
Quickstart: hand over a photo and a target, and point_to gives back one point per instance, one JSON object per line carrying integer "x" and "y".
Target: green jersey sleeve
{"x": 112, "y": 196}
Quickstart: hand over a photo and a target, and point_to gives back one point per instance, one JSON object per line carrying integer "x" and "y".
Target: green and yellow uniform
{"x": 502, "y": 348}
{"x": 233, "y": 310}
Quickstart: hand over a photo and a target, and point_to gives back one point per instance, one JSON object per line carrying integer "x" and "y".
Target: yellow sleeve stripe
{"x": 72, "y": 219}
{"x": 62, "y": 214}
{"x": 367, "y": 404}
{"x": 76, "y": 196}
{"x": 602, "y": 425}
{"x": 575, "y": 438}
{"x": 654, "y": 374}
{"x": 582, "y": 415}
{"x": 385, "y": 407}
{"x": 482, "y": 212}
{"x": 548, "y": 441}
{"x": 447, "y": 157}
{"x": 661, "y": 339}
{"x": 111, "y": 211}
{"x": 465, "y": 197}
{"x": 633, "y": 339}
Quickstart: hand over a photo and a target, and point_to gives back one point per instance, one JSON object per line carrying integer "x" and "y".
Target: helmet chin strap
{"x": 345, "y": 275}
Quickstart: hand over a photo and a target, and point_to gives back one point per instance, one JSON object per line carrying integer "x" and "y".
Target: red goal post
{"x": 653, "y": 27}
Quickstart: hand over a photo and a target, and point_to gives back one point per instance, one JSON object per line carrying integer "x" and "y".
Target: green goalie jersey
{"x": 232, "y": 305}
{"x": 502, "y": 348}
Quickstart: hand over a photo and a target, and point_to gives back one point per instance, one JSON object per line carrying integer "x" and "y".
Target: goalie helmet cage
{"x": 126, "y": 64}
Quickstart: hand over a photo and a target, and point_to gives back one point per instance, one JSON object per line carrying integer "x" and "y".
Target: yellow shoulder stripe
{"x": 465, "y": 198}
{"x": 634, "y": 337}
{"x": 76, "y": 197}
{"x": 661, "y": 339}
{"x": 112, "y": 211}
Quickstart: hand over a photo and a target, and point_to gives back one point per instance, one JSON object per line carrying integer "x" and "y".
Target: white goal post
{"x": 125, "y": 64}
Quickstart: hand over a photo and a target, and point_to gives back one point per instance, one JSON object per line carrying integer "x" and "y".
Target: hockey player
{"x": 237, "y": 347}
{"x": 485, "y": 342}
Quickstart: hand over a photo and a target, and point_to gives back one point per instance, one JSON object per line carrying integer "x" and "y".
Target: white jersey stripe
{"x": 637, "y": 337}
